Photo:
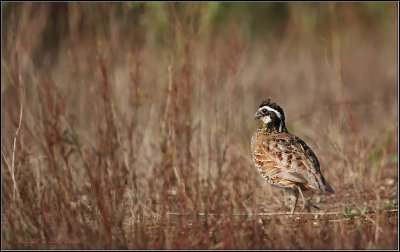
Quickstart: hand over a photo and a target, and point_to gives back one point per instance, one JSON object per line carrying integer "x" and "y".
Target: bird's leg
{"x": 294, "y": 205}
{"x": 302, "y": 197}
{"x": 293, "y": 194}
{"x": 274, "y": 196}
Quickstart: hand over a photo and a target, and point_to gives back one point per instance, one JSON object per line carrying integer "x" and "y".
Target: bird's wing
{"x": 303, "y": 161}
{"x": 286, "y": 159}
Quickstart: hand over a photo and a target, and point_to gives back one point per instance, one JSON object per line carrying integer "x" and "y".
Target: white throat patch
{"x": 266, "y": 119}
{"x": 273, "y": 110}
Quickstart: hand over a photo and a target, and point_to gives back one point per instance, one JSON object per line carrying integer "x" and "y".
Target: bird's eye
{"x": 264, "y": 111}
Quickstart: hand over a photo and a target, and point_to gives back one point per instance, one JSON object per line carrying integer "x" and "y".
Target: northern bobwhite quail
{"x": 282, "y": 159}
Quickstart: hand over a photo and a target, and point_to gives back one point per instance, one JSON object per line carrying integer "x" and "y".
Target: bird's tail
{"x": 328, "y": 187}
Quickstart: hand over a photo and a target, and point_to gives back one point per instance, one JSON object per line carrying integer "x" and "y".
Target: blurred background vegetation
{"x": 153, "y": 21}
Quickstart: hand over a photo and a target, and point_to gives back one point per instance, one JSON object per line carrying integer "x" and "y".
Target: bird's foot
{"x": 315, "y": 206}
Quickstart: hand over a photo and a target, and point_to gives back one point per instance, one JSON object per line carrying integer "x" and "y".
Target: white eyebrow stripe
{"x": 273, "y": 110}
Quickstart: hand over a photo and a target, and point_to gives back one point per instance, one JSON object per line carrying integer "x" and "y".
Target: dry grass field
{"x": 128, "y": 125}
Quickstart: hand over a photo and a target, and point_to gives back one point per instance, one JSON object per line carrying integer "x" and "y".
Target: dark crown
{"x": 273, "y": 105}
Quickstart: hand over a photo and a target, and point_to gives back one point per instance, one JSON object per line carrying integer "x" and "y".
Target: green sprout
{"x": 351, "y": 212}
{"x": 391, "y": 204}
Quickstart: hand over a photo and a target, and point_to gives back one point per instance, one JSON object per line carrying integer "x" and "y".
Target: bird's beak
{"x": 257, "y": 115}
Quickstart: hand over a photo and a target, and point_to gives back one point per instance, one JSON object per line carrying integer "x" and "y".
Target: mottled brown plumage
{"x": 282, "y": 159}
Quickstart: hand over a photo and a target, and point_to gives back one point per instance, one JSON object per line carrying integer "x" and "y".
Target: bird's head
{"x": 272, "y": 115}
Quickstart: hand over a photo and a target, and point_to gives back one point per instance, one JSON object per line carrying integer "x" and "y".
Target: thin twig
{"x": 253, "y": 214}
{"x": 12, "y": 173}
{"x": 178, "y": 177}
{"x": 6, "y": 160}
{"x": 268, "y": 214}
